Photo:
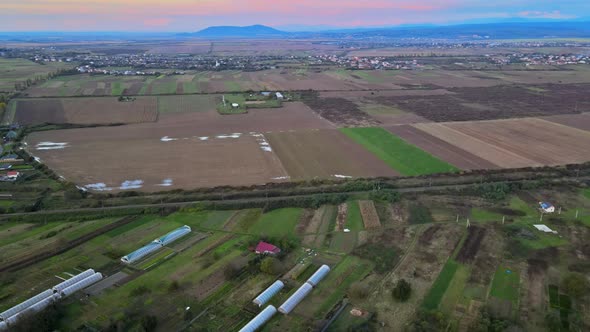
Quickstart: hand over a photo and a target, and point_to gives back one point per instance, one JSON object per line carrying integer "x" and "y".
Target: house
{"x": 546, "y": 207}
{"x": 12, "y": 175}
{"x": 264, "y": 248}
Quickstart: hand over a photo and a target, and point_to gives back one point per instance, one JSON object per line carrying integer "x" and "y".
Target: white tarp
{"x": 544, "y": 228}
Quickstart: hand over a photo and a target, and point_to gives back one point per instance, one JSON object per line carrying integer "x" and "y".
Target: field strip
{"x": 475, "y": 146}
{"x": 569, "y": 128}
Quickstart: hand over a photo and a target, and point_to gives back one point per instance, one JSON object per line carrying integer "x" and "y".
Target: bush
{"x": 390, "y": 196}
{"x": 149, "y": 323}
{"x": 141, "y": 290}
{"x": 358, "y": 291}
{"x": 271, "y": 265}
{"x": 231, "y": 270}
{"x": 575, "y": 284}
{"x": 419, "y": 214}
{"x": 402, "y": 290}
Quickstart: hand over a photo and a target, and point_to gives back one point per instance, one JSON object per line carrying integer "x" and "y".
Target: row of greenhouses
{"x": 156, "y": 245}
{"x": 265, "y": 315}
{"x": 42, "y": 300}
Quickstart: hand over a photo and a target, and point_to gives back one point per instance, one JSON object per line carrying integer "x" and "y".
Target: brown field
{"x": 441, "y": 149}
{"x": 93, "y": 156}
{"x": 86, "y": 111}
{"x": 498, "y": 102}
{"x": 580, "y": 121}
{"x": 516, "y": 143}
{"x": 369, "y": 214}
{"x": 325, "y": 153}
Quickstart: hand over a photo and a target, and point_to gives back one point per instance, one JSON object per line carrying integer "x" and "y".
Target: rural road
{"x": 260, "y": 199}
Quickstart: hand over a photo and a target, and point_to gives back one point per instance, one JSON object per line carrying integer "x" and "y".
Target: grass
{"x": 232, "y": 86}
{"x": 454, "y": 292}
{"x": 405, "y": 158}
{"x": 279, "y": 222}
{"x": 117, "y": 88}
{"x": 505, "y": 284}
{"x": 343, "y": 242}
{"x": 440, "y": 286}
{"x": 354, "y": 220}
{"x": 482, "y": 215}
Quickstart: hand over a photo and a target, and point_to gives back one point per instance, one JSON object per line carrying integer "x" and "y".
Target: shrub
{"x": 358, "y": 291}
{"x": 271, "y": 265}
{"x": 419, "y": 214}
{"x": 390, "y": 196}
{"x": 575, "y": 284}
{"x": 402, "y": 290}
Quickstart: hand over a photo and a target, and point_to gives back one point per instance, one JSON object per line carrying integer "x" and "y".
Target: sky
{"x": 193, "y": 15}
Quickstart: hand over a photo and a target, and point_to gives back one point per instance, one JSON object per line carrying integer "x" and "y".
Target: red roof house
{"x": 12, "y": 174}
{"x": 264, "y": 248}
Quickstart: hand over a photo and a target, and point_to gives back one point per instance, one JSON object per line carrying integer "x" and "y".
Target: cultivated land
{"x": 86, "y": 111}
{"x": 399, "y": 155}
{"x": 516, "y": 143}
{"x": 324, "y": 154}
{"x": 18, "y": 71}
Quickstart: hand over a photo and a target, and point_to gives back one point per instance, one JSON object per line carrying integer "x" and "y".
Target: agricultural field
{"x": 405, "y": 158}
{"x": 515, "y": 143}
{"x": 85, "y": 111}
{"x": 18, "y": 71}
{"x": 454, "y": 271}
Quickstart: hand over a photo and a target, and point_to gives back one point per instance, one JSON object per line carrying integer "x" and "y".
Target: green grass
{"x": 440, "y": 286}
{"x": 279, "y": 222}
{"x": 117, "y": 88}
{"x": 482, "y": 215}
{"x": 354, "y": 220}
{"x": 232, "y": 86}
{"x": 405, "y": 158}
{"x": 586, "y": 193}
{"x": 6, "y": 203}
{"x": 454, "y": 292}
{"x": 343, "y": 242}
{"x": 506, "y": 284}
{"x": 125, "y": 228}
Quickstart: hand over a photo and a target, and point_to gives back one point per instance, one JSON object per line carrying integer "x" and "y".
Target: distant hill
{"x": 256, "y": 31}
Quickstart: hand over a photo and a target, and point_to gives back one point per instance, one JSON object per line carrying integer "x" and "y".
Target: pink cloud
{"x": 556, "y": 14}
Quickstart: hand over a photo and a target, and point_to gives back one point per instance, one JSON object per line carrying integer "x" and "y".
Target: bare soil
{"x": 342, "y": 112}
{"x": 341, "y": 217}
{"x": 369, "y": 214}
{"x": 471, "y": 245}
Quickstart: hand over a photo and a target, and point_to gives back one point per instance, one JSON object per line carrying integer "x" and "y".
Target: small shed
{"x": 279, "y": 96}
{"x": 264, "y": 248}
{"x": 546, "y": 207}
{"x": 235, "y": 105}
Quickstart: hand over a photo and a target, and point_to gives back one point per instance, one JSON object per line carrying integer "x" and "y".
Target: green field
{"x": 279, "y": 222}
{"x": 440, "y": 286}
{"x": 454, "y": 292}
{"x": 395, "y": 152}
{"x": 19, "y": 70}
{"x": 506, "y": 284}
{"x": 354, "y": 220}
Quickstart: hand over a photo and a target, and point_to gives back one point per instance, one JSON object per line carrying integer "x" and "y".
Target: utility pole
{"x": 457, "y": 219}
{"x": 468, "y": 223}
{"x": 503, "y": 219}
{"x": 541, "y": 219}
{"x": 577, "y": 214}
{"x": 559, "y": 211}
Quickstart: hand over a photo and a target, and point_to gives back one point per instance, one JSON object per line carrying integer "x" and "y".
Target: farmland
{"x": 18, "y": 71}
{"x": 448, "y": 266}
{"x": 399, "y": 155}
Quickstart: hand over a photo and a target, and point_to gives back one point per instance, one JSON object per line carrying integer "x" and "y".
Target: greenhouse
{"x": 81, "y": 284}
{"x": 315, "y": 279}
{"x": 260, "y": 319}
{"x": 141, "y": 252}
{"x": 271, "y": 291}
{"x": 174, "y": 235}
{"x": 67, "y": 283}
{"x": 26, "y": 304}
{"x": 295, "y": 299}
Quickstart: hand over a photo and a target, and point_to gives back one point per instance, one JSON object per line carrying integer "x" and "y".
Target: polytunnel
{"x": 42, "y": 304}
{"x": 3, "y": 326}
{"x": 174, "y": 235}
{"x": 315, "y": 279}
{"x": 294, "y": 299}
{"x": 81, "y": 284}
{"x": 67, "y": 283}
{"x": 24, "y": 305}
{"x": 141, "y": 252}
{"x": 260, "y": 319}
{"x": 271, "y": 291}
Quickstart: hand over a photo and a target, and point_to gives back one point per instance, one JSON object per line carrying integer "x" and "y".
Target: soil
{"x": 496, "y": 102}
{"x": 441, "y": 149}
{"x": 311, "y": 229}
{"x": 341, "y": 217}
{"x": 369, "y": 214}
{"x": 325, "y": 153}
{"x": 304, "y": 221}
{"x": 580, "y": 121}
{"x": 342, "y": 112}
{"x": 427, "y": 236}
{"x": 471, "y": 245}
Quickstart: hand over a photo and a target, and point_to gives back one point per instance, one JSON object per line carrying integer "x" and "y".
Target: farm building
{"x": 264, "y": 248}
{"x": 546, "y": 207}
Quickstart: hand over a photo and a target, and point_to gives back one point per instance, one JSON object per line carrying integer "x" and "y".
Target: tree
{"x": 271, "y": 265}
{"x": 231, "y": 270}
{"x": 402, "y": 290}
{"x": 149, "y": 323}
{"x": 575, "y": 284}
